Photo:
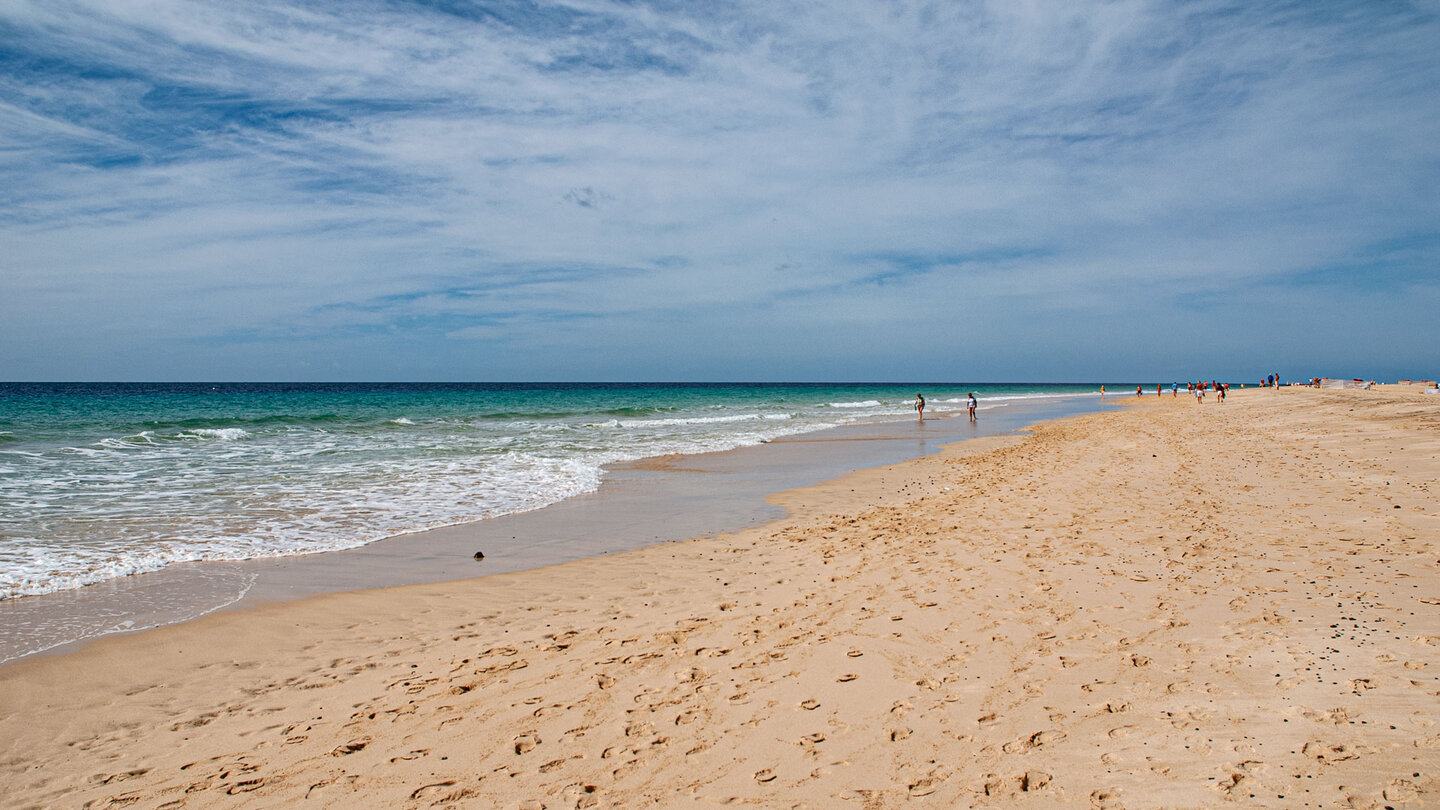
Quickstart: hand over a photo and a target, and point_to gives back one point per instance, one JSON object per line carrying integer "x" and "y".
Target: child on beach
{"x": 972, "y": 405}
{"x": 920, "y": 406}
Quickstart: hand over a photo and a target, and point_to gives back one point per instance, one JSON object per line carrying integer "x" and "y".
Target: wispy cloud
{"x": 597, "y": 189}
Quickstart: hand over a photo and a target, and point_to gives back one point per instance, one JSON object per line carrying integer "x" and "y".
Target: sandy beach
{"x": 1166, "y": 605}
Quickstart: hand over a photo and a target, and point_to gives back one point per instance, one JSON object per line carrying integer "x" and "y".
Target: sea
{"x": 103, "y": 481}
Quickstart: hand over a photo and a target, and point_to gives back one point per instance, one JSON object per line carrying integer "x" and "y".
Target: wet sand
{"x": 1172, "y": 604}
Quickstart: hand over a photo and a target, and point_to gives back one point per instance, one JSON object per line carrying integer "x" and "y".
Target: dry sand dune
{"x": 1168, "y": 605}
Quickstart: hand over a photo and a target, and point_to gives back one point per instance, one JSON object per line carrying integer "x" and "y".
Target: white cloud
{"x": 310, "y": 175}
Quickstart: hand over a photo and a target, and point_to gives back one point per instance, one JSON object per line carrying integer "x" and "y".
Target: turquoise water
{"x": 99, "y": 481}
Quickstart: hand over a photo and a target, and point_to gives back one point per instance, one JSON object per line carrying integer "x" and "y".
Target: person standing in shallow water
{"x": 972, "y": 405}
{"x": 920, "y": 406}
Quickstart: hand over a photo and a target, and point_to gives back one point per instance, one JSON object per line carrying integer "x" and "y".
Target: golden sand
{"x": 1167, "y": 605}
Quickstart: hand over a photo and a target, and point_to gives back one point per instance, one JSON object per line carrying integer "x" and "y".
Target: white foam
{"x": 1067, "y": 395}
{"x": 345, "y": 504}
{"x": 693, "y": 420}
{"x": 224, "y": 434}
{"x": 869, "y": 403}
{"x": 401, "y": 421}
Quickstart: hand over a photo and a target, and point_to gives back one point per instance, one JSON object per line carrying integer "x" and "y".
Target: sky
{"x": 777, "y": 190}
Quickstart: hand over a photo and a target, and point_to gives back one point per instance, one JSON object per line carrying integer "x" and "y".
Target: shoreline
{"x": 1168, "y": 604}
{"x": 639, "y": 503}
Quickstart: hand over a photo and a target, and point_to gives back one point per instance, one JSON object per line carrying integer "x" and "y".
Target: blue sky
{"x": 774, "y": 190}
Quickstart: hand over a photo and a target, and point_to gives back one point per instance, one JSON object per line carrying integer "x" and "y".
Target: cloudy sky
{"x": 767, "y": 190}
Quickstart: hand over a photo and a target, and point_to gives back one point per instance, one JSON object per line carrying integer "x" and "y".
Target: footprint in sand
{"x": 1401, "y": 790}
{"x": 1328, "y": 753}
{"x": 582, "y": 795}
{"x": 924, "y": 787}
{"x": 119, "y": 777}
{"x": 350, "y": 747}
{"x": 245, "y": 786}
{"x": 765, "y": 775}
{"x": 809, "y": 704}
{"x": 526, "y": 743}
{"x": 1361, "y": 685}
{"x": 1034, "y": 780}
{"x": 431, "y": 790}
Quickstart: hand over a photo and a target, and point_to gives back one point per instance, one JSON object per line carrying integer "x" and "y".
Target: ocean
{"x": 100, "y": 481}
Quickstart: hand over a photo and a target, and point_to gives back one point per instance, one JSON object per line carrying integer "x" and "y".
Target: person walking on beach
{"x": 1174, "y": 390}
{"x": 920, "y": 406}
{"x": 1138, "y": 392}
{"x": 972, "y": 405}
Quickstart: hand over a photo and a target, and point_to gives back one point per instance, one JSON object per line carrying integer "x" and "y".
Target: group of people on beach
{"x": 1197, "y": 388}
{"x": 971, "y": 403}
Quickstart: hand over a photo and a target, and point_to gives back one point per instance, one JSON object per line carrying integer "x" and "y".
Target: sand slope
{"x": 1170, "y": 605}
